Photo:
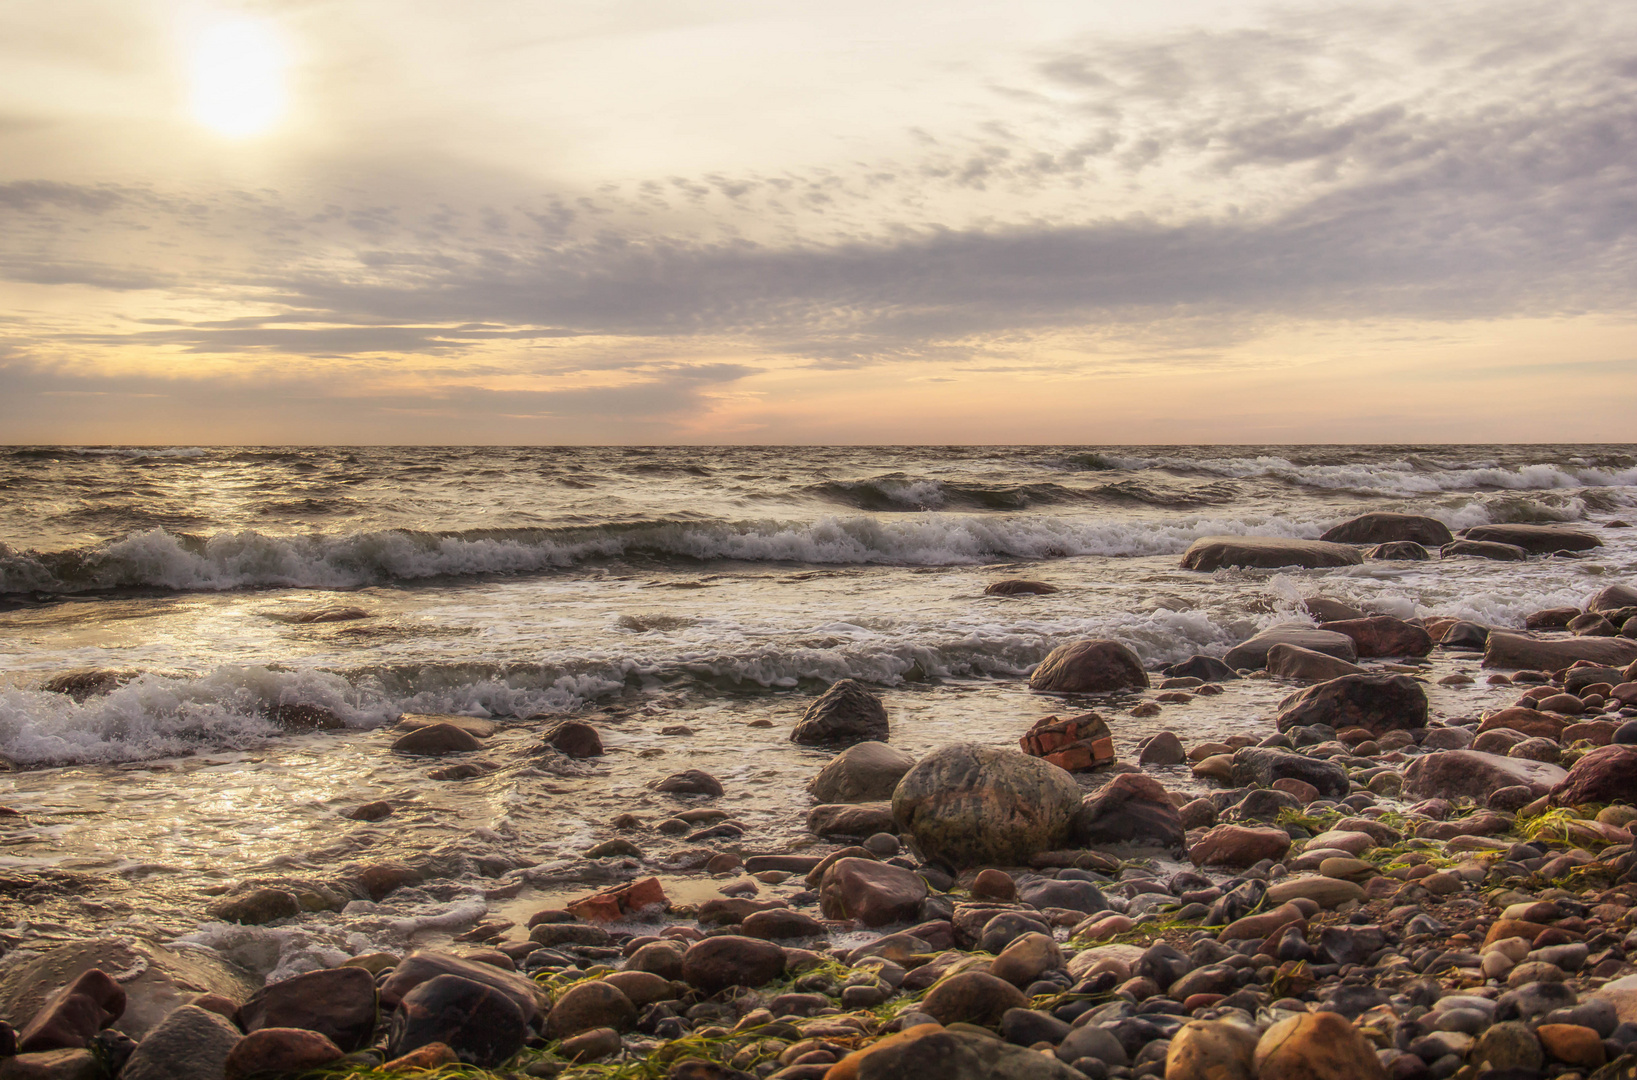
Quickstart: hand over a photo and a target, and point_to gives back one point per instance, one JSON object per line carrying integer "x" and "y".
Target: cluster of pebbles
{"x": 1367, "y": 893}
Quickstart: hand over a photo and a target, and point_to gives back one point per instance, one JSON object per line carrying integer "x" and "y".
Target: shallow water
{"x": 637, "y": 589}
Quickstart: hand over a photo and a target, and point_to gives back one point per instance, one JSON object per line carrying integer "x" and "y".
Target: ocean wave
{"x": 160, "y": 559}
{"x": 1410, "y": 477}
{"x": 898, "y": 492}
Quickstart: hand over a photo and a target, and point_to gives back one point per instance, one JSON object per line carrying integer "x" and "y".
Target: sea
{"x": 689, "y": 602}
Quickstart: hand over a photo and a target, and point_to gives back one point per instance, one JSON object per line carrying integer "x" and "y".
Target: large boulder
{"x": 1378, "y": 703}
{"x": 1131, "y": 808}
{"x": 1472, "y": 774}
{"x": 864, "y": 772}
{"x": 1383, "y": 635}
{"x": 1382, "y": 528}
{"x": 1268, "y": 552}
{"x": 1254, "y": 652}
{"x": 1535, "y": 539}
{"x": 843, "y": 715}
{"x": 1604, "y": 775}
{"x": 156, "y": 980}
{"x": 1077, "y": 744}
{"x": 1305, "y": 665}
{"x": 1262, "y": 766}
{"x": 1088, "y": 667}
{"x": 1510, "y": 650}
{"x": 969, "y": 805}
{"x": 873, "y": 893}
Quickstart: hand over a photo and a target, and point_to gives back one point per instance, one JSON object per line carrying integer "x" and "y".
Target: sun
{"x": 238, "y": 77}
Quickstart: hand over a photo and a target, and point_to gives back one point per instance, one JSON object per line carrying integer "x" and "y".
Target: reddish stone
{"x": 72, "y": 1016}
{"x": 279, "y": 1050}
{"x": 1239, "y": 845}
{"x": 1088, "y": 667}
{"x": 874, "y": 893}
{"x": 1605, "y": 775}
{"x": 1383, "y": 635}
{"x": 1077, "y": 744}
{"x": 636, "y": 898}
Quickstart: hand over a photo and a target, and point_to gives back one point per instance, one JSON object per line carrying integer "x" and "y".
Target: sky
{"x": 769, "y": 221}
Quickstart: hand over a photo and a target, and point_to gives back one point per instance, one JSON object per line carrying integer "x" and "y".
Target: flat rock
{"x": 1535, "y": 539}
{"x": 1511, "y": 650}
{"x": 1305, "y": 665}
{"x": 1215, "y": 552}
{"x": 1483, "y": 549}
{"x": 831, "y": 820}
{"x": 1254, "y": 652}
{"x": 1239, "y": 845}
{"x": 1262, "y": 766}
{"x": 1327, "y": 892}
{"x": 1018, "y": 587}
{"x": 1472, "y": 774}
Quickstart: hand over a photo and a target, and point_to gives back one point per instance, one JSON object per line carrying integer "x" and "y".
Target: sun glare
{"x": 238, "y": 77}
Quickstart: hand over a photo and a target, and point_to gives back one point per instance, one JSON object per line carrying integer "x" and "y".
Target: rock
{"x": 430, "y": 1056}
{"x": 1131, "y": 808}
{"x": 781, "y": 923}
{"x": 1524, "y": 720}
{"x": 1480, "y": 549}
{"x": 690, "y": 782}
{"x": 992, "y": 884}
{"x": 1605, "y": 775}
{"x": 1382, "y": 527}
{"x": 864, "y": 772}
{"x": 574, "y": 739}
{"x": 968, "y": 805}
{"x": 1077, "y": 744}
{"x": 425, "y": 964}
{"x": 1471, "y": 774}
{"x": 1163, "y": 749}
{"x": 279, "y": 1050}
{"x": 1324, "y": 609}
{"x": 1377, "y": 703}
{"x": 1026, "y": 959}
{"x": 730, "y": 960}
{"x": 844, "y": 714}
{"x": 1215, "y": 552}
{"x": 1081, "y": 896}
{"x": 873, "y": 893}
{"x": 1212, "y": 1050}
{"x": 189, "y": 1044}
{"x": 948, "y": 1053}
{"x": 1507, "y": 1045}
{"x": 1573, "y": 1044}
{"x": 1447, "y": 738}
{"x": 1509, "y": 650}
{"x": 1535, "y": 539}
{"x": 594, "y": 1003}
{"x": 1613, "y": 598}
{"x": 1383, "y": 635}
{"x": 155, "y": 980}
{"x": 1464, "y": 635}
{"x": 642, "y": 988}
{"x": 1238, "y": 845}
{"x": 256, "y": 907}
{"x": 1263, "y": 765}
{"x": 437, "y": 740}
{"x": 1305, "y": 665}
{"x": 1301, "y": 789}
{"x": 847, "y": 819}
{"x": 1351, "y": 944}
{"x": 482, "y": 1025}
{"x": 1018, "y": 587}
{"x": 53, "y": 1065}
{"x": 1254, "y": 652}
{"x": 663, "y": 959}
{"x": 1207, "y": 669}
{"x": 338, "y": 1003}
{"x": 1398, "y": 551}
{"x": 1325, "y": 891}
{"x": 73, "y": 1016}
{"x": 642, "y": 898}
{"x": 1317, "y": 1046}
{"x": 972, "y": 997}
{"x": 1087, "y": 667}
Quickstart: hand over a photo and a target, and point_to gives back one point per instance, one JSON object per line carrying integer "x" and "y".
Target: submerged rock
{"x": 1383, "y": 527}
{"x": 1535, "y": 539}
{"x": 1472, "y": 774}
{"x": 844, "y": 714}
{"x": 1090, "y": 666}
{"x": 1269, "y": 552}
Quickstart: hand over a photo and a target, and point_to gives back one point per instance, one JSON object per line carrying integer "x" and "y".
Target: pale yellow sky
{"x": 360, "y": 221}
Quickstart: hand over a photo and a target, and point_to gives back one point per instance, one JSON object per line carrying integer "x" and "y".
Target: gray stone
{"x": 969, "y": 805}
{"x": 189, "y": 1044}
{"x": 864, "y": 772}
